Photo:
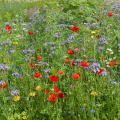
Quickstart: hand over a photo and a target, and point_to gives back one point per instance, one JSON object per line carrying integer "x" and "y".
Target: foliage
{"x": 60, "y": 62}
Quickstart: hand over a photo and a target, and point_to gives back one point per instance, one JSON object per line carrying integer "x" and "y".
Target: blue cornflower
{"x": 15, "y": 92}
{"x": 3, "y": 67}
{"x": 92, "y": 111}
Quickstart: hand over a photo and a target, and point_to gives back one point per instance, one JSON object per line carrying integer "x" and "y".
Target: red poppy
{"x": 39, "y": 58}
{"x": 61, "y": 95}
{"x": 117, "y": 61}
{"x": 37, "y": 75}
{"x": 100, "y": 72}
{"x": 76, "y": 76}
{"x": 52, "y": 98}
{"x": 30, "y": 33}
{"x": 56, "y": 89}
{"x": 46, "y": 91}
{"x": 8, "y": 28}
{"x": 84, "y": 64}
{"x": 71, "y": 52}
{"x": 75, "y": 29}
{"x": 4, "y": 85}
{"x": 77, "y": 49}
{"x": 109, "y": 13}
{"x": 112, "y": 63}
{"x": 61, "y": 72}
{"x": 73, "y": 63}
{"x": 54, "y": 79}
{"x": 33, "y": 65}
{"x": 67, "y": 60}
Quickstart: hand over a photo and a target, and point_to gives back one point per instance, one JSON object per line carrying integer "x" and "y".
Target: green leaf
{"x": 2, "y": 117}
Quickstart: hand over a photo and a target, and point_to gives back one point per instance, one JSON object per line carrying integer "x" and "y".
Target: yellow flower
{"x": 23, "y": 113}
{"x": 93, "y": 32}
{"x": 38, "y": 88}
{"x": 94, "y": 93}
{"x": 24, "y": 117}
{"x": 16, "y": 98}
{"x": 103, "y": 78}
{"x": 15, "y": 43}
{"x": 84, "y": 104}
{"x": 32, "y": 94}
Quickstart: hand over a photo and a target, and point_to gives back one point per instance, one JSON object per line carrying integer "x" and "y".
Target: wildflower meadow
{"x": 60, "y": 60}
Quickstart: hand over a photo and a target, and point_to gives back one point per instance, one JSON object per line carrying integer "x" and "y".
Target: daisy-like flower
{"x": 109, "y": 51}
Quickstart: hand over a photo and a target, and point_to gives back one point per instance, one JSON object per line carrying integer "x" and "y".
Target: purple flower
{"x": 100, "y": 49}
{"x": 57, "y": 35}
{"x": 95, "y": 67}
{"x": 3, "y": 67}
{"x": 11, "y": 51}
{"x": 28, "y": 51}
{"x": 103, "y": 40}
{"x": 6, "y": 43}
{"x": 70, "y": 39}
{"x": 18, "y": 75}
{"x": 43, "y": 63}
{"x": 47, "y": 70}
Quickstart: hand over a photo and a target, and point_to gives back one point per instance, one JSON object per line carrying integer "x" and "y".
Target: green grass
{"x": 93, "y": 96}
